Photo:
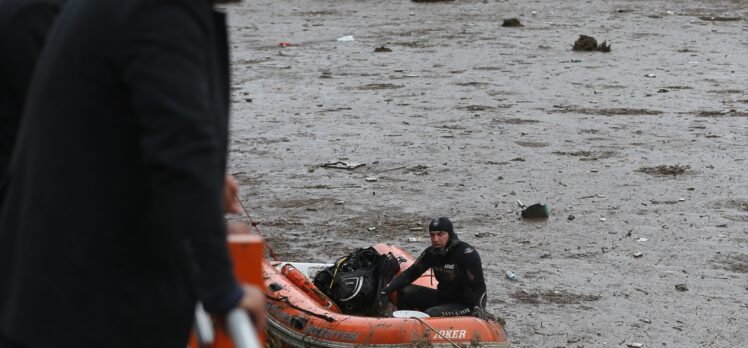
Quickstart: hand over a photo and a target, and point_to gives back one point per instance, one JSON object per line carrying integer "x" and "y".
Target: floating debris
{"x": 665, "y": 170}
{"x": 587, "y": 43}
{"x": 681, "y": 287}
{"x": 382, "y": 49}
{"x": 484, "y": 234}
{"x": 511, "y": 22}
{"x": 552, "y": 296}
{"x": 535, "y": 211}
{"x": 720, "y": 19}
{"x": 343, "y": 165}
{"x": 418, "y": 170}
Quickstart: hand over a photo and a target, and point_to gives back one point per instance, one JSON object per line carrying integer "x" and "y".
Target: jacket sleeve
{"x": 22, "y": 39}
{"x": 412, "y": 273}
{"x": 475, "y": 278}
{"x": 166, "y": 73}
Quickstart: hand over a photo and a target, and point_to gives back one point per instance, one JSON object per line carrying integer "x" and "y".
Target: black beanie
{"x": 442, "y": 224}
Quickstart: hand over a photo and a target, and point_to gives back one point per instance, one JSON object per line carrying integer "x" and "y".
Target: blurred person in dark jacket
{"x": 112, "y": 223}
{"x": 24, "y": 25}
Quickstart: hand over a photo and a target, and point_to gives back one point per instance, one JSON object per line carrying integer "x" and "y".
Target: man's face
{"x": 439, "y": 239}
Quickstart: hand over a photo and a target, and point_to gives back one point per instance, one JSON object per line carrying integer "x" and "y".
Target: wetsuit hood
{"x": 444, "y": 224}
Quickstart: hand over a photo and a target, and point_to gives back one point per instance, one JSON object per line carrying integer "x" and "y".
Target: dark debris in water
{"x": 720, "y": 18}
{"x": 737, "y": 263}
{"x": 376, "y": 86}
{"x": 418, "y": 170}
{"x": 382, "y": 49}
{"x": 587, "y": 155}
{"x": 724, "y": 113}
{"x": 514, "y": 120}
{"x": 511, "y": 22}
{"x": 587, "y": 43}
{"x": 472, "y": 84}
{"x": 665, "y": 170}
{"x": 530, "y": 143}
{"x": 473, "y": 108}
{"x": 606, "y": 111}
{"x": 552, "y": 296}
{"x": 738, "y": 204}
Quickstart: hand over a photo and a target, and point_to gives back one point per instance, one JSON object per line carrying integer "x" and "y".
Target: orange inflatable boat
{"x": 299, "y": 315}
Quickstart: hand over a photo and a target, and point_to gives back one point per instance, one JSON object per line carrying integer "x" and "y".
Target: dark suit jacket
{"x": 24, "y": 24}
{"x": 112, "y": 225}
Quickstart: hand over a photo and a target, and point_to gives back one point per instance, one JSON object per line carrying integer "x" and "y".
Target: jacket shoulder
{"x": 465, "y": 250}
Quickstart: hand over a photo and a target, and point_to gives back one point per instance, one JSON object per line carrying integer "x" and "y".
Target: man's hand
{"x": 231, "y": 202}
{"x": 254, "y": 303}
{"x": 235, "y": 227}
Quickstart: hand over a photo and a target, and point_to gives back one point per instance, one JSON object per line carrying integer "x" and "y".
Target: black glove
{"x": 481, "y": 313}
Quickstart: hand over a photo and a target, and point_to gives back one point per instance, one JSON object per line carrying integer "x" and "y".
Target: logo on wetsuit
{"x": 446, "y": 268}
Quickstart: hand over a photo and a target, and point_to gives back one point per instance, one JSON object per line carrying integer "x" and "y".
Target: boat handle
{"x": 241, "y": 329}
{"x": 239, "y": 325}
{"x": 203, "y": 327}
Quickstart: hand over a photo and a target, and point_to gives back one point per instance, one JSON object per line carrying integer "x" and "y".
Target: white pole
{"x": 203, "y": 327}
{"x": 241, "y": 329}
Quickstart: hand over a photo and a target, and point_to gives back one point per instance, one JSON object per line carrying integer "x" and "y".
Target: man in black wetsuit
{"x": 457, "y": 267}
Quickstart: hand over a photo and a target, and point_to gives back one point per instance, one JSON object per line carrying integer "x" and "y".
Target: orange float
{"x": 299, "y": 315}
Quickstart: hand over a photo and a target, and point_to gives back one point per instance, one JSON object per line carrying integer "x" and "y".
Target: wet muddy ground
{"x": 640, "y": 152}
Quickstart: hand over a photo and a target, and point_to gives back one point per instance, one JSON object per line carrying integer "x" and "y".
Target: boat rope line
{"x": 286, "y": 300}
{"x": 437, "y": 332}
{"x": 257, "y": 229}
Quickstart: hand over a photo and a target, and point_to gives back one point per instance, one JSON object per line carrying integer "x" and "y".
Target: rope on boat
{"x": 286, "y": 300}
{"x": 257, "y": 229}
{"x": 437, "y": 332}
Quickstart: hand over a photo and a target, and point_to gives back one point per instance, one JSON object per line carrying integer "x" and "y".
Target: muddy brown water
{"x": 463, "y": 117}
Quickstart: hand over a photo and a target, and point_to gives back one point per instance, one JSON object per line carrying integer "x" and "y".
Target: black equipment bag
{"x": 355, "y": 281}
